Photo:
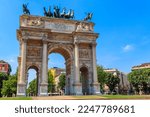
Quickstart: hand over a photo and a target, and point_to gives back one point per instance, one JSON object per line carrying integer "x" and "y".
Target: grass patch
{"x": 16, "y": 98}
{"x": 126, "y": 96}
{"x": 110, "y": 97}
{"x": 87, "y": 97}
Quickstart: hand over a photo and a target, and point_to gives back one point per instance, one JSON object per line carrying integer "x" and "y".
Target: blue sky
{"x": 123, "y": 25}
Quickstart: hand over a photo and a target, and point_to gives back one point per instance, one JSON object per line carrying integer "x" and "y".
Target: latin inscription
{"x": 59, "y": 27}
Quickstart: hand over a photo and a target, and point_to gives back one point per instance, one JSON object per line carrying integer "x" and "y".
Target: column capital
{"x": 44, "y": 36}
{"x": 24, "y": 40}
{"x": 44, "y": 41}
{"x": 94, "y": 44}
{"x": 76, "y": 42}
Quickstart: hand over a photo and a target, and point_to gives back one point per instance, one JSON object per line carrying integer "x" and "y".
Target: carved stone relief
{"x": 38, "y": 22}
{"x": 83, "y": 26}
{"x": 84, "y": 53}
{"x": 34, "y": 52}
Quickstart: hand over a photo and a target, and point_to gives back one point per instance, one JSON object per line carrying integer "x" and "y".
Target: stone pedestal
{"x": 77, "y": 89}
{"x": 43, "y": 89}
{"x": 21, "y": 89}
{"x": 96, "y": 89}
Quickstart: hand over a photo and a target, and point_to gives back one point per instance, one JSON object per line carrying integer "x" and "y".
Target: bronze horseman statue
{"x": 56, "y": 13}
{"x": 25, "y": 9}
{"x": 88, "y": 17}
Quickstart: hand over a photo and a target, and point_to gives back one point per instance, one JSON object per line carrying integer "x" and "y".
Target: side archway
{"x": 84, "y": 79}
{"x": 36, "y": 78}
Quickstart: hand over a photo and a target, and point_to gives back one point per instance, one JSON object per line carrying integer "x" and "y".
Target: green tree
{"x": 51, "y": 82}
{"x": 32, "y": 89}
{"x": 10, "y": 86}
{"x": 112, "y": 81}
{"x": 3, "y": 77}
{"x": 140, "y": 79}
{"x": 101, "y": 74}
{"x": 62, "y": 81}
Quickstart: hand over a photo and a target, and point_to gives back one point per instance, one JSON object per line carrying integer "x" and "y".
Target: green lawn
{"x": 126, "y": 96}
{"x": 87, "y": 97}
{"x": 16, "y": 98}
{"x": 105, "y": 97}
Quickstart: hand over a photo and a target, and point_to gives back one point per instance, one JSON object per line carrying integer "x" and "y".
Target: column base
{"x": 96, "y": 88}
{"x": 43, "y": 90}
{"x": 77, "y": 89}
{"x": 21, "y": 89}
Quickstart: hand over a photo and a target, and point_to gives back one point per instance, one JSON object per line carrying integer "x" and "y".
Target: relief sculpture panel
{"x": 84, "y": 53}
{"x": 36, "y": 52}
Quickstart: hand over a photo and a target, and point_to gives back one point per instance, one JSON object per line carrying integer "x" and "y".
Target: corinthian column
{"x": 23, "y": 61}
{"x": 77, "y": 84}
{"x": 76, "y": 63}
{"x": 94, "y": 62}
{"x": 44, "y": 80}
{"x": 44, "y": 63}
{"x": 21, "y": 86}
{"x": 96, "y": 85}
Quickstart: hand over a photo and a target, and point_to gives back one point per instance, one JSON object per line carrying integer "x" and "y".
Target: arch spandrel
{"x": 65, "y": 51}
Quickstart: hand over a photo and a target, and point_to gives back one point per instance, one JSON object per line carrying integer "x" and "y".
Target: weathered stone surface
{"x": 41, "y": 36}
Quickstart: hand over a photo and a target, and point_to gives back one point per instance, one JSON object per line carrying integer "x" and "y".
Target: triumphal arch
{"x": 74, "y": 40}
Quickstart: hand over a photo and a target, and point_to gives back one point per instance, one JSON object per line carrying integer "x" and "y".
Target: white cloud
{"x": 128, "y": 48}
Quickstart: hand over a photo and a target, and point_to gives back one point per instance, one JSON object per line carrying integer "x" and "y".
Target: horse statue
{"x": 88, "y": 17}
{"x": 25, "y": 9}
{"x": 56, "y": 12}
{"x": 45, "y": 12}
{"x": 67, "y": 16}
{"x": 72, "y": 14}
{"x": 62, "y": 15}
{"x": 48, "y": 13}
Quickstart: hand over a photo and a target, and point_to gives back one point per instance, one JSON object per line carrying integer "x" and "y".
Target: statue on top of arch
{"x": 57, "y": 13}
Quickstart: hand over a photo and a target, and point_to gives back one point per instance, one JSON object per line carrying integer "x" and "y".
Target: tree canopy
{"x": 62, "y": 81}
{"x": 105, "y": 78}
{"x": 140, "y": 80}
{"x": 32, "y": 89}
{"x": 9, "y": 86}
{"x": 3, "y": 77}
{"x": 112, "y": 81}
{"x": 102, "y": 75}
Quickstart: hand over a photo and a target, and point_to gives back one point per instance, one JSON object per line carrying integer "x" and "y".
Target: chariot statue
{"x": 48, "y": 13}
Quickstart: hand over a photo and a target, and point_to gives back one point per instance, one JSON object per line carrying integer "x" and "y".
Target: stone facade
{"x": 4, "y": 67}
{"x": 142, "y": 66}
{"x": 74, "y": 40}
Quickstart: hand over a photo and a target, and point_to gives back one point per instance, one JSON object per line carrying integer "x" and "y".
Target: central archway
{"x": 68, "y": 63}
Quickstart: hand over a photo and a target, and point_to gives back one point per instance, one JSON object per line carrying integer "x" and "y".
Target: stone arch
{"x": 36, "y": 68}
{"x": 68, "y": 56}
{"x": 84, "y": 78}
{"x": 57, "y": 48}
